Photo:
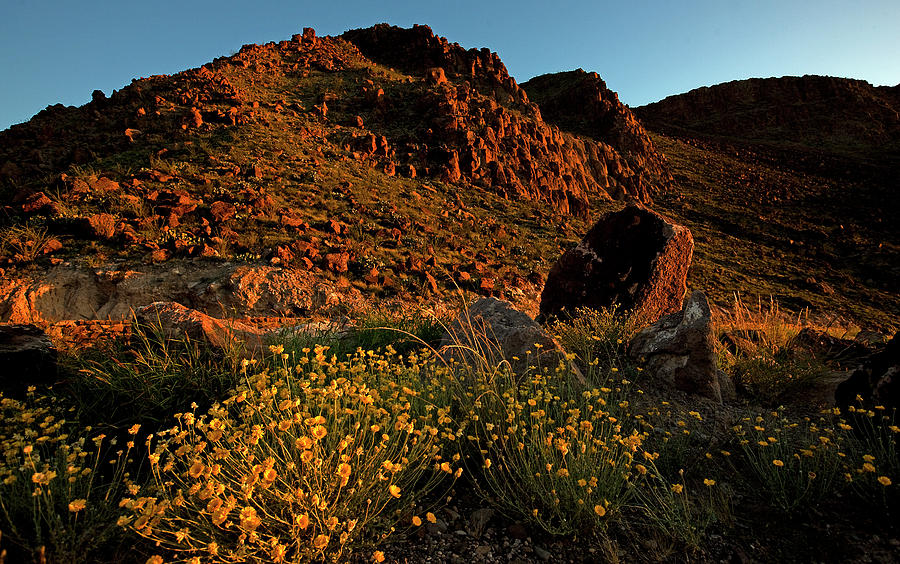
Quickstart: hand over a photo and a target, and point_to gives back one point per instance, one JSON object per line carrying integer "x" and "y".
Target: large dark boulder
{"x": 27, "y": 358}
{"x": 678, "y": 351}
{"x": 877, "y": 381}
{"x": 634, "y": 258}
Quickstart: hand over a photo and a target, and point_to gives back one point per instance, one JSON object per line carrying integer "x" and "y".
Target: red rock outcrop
{"x": 580, "y": 102}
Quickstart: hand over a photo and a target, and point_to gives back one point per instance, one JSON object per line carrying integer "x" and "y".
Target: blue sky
{"x": 59, "y": 51}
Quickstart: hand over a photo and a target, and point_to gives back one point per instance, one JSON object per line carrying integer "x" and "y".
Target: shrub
{"x": 58, "y": 492}
{"x": 561, "y": 459}
{"x": 772, "y": 379}
{"x": 597, "y": 337}
{"x": 300, "y": 462}
{"x": 798, "y": 462}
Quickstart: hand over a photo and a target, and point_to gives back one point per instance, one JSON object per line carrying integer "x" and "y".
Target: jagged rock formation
{"x": 818, "y": 111}
{"x": 580, "y": 102}
{"x": 462, "y": 119}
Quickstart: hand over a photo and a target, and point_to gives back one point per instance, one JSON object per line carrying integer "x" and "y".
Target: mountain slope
{"x": 312, "y": 154}
{"x": 391, "y": 165}
{"x": 831, "y": 114}
{"x": 795, "y": 179}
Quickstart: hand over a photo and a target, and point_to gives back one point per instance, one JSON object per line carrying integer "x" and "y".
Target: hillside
{"x": 317, "y": 174}
{"x": 795, "y": 177}
{"x": 373, "y": 172}
{"x": 838, "y": 115}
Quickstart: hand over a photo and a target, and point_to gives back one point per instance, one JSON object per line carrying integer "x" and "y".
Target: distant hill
{"x": 839, "y": 115}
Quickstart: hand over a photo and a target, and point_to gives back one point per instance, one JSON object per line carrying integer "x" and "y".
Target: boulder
{"x": 877, "y": 381}
{"x": 491, "y": 331}
{"x": 634, "y": 258}
{"x": 28, "y": 358}
{"x": 678, "y": 351}
{"x": 174, "y": 321}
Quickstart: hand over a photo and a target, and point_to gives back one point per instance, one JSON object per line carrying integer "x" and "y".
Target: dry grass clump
{"x": 761, "y": 360}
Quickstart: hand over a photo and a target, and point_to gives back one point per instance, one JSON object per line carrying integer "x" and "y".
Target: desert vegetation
{"x": 341, "y": 446}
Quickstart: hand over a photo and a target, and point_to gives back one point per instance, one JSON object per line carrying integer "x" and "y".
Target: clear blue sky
{"x": 59, "y": 51}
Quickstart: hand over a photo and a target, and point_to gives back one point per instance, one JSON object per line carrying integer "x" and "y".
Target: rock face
{"x": 223, "y": 290}
{"x": 478, "y": 126}
{"x": 28, "y": 358}
{"x": 178, "y": 322}
{"x": 580, "y": 102}
{"x": 634, "y": 258}
{"x": 877, "y": 381}
{"x": 496, "y": 332}
{"x": 678, "y": 350}
{"x": 818, "y": 111}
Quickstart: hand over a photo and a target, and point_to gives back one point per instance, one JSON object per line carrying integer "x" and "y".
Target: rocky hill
{"x": 795, "y": 180}
{"x": 315, "y": 174}
{"x": 580, "y": 102}
{"x": 385, "y": 162}
{"x": 833, "y": 114}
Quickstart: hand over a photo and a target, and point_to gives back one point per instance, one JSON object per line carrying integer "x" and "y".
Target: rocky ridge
{"x": 822, "y": 112}
{"x": 464, "y": 119}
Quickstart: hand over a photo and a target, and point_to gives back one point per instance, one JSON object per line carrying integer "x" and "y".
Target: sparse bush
{"x": 148, "y": 378}
{"x": 680, "y": 512}
{"x": 564, "y": 460}
{"x": 797, "y": 461}
{"x": 58, "y": 491}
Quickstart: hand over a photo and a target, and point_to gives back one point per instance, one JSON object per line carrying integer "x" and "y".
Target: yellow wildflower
{"x": 77, "y": 505}
{"x": 884, "y": 480}
{"x": 600, "y": 510}
{"x": 395, "y": 490}
{"x": 320, "y": 542}
{"x": 778, "y": 463}
{"x": 416, "y": 520}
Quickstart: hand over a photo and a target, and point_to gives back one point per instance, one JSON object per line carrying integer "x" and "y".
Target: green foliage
{"x": 59, "y": 484}
{"x": 148, "y": 378}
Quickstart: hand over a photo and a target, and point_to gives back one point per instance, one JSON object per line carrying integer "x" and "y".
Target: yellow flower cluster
{"x": 298, "y": 461}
